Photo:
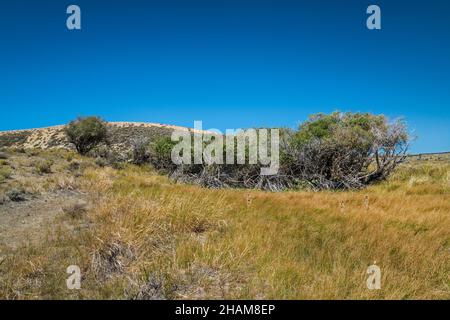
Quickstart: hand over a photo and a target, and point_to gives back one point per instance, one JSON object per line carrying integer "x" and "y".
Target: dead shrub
{"x": 73, "y": 166}
{"x": 44, "y": 167}
{"x": 75, "y": 210}
{"x": 112, "y": 258}
{"x": 3, "y": 198}
{"x": 153, "y": 289}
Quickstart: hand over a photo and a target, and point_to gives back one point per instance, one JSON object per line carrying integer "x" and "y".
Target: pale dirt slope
{"x": 54, "y": 137}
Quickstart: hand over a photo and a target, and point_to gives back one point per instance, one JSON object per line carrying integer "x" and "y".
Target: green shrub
{"x": 118, "y": 165}
{"x": 86, "y": 133}
{"x": 69, "y": 157}
{"x": 105, "y": 156}
{"x": 160, "y": 154}
{"x": 100, "y": 151}
{"x": 360, "y": 126}
{"x": 33, "y": 152}
{"x": 16, "y": 195}
{"x": 101, "y": 162}
{"x": 5, "y": 173}
{"x": 19, "y": 150}
{"x": 44, "y": 167}
{"x": 75, "y": 210}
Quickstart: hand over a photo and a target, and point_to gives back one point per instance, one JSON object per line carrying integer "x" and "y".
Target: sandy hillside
{"x": 119, "y": 133}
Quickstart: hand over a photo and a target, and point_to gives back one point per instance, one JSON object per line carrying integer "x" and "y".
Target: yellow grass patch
{"x": 202, "y": 243}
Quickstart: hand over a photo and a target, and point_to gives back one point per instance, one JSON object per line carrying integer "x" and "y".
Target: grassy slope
{"x": 145, "y": 237}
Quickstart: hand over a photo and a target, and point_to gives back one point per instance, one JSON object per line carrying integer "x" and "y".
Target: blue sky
{"x": 229, "y": 63}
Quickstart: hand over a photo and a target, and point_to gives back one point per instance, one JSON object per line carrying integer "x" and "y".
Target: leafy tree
{"x": 346, "y": 150}
{"x": 86, "y": 133}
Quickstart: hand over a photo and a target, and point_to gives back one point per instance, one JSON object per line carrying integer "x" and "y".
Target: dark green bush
{"x": 86, "y": 133}
{"x": 160, "y": 154}
{"x": 44, "y": 167}
{"x": 16, "y": 195}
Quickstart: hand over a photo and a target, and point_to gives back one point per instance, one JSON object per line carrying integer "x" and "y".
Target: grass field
{"x": 137, "y": 235}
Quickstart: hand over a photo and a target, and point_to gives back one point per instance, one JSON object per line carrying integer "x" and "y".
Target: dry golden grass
{"x": 200, "y": 243}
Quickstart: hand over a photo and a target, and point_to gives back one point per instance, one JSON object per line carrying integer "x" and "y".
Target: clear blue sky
{"x": 232, "y": 64}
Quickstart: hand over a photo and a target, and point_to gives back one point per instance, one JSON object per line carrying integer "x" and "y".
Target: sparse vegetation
{"x": 74, "y": 166}
{"x": 3, "y": 198}
{"x": 336, "y": 151}
{"x": 9, "y": 139}
{"x": 44, "y": 167}
{"x": 101, "y": 162}
{"x": 5, "y": 173}
{"x": 75, "y": 210}
{"x": 140, "y": 152}
{"x": 145, "y": 237}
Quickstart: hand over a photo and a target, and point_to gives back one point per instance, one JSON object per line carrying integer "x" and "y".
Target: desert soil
{"x": 22, "y": 222}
